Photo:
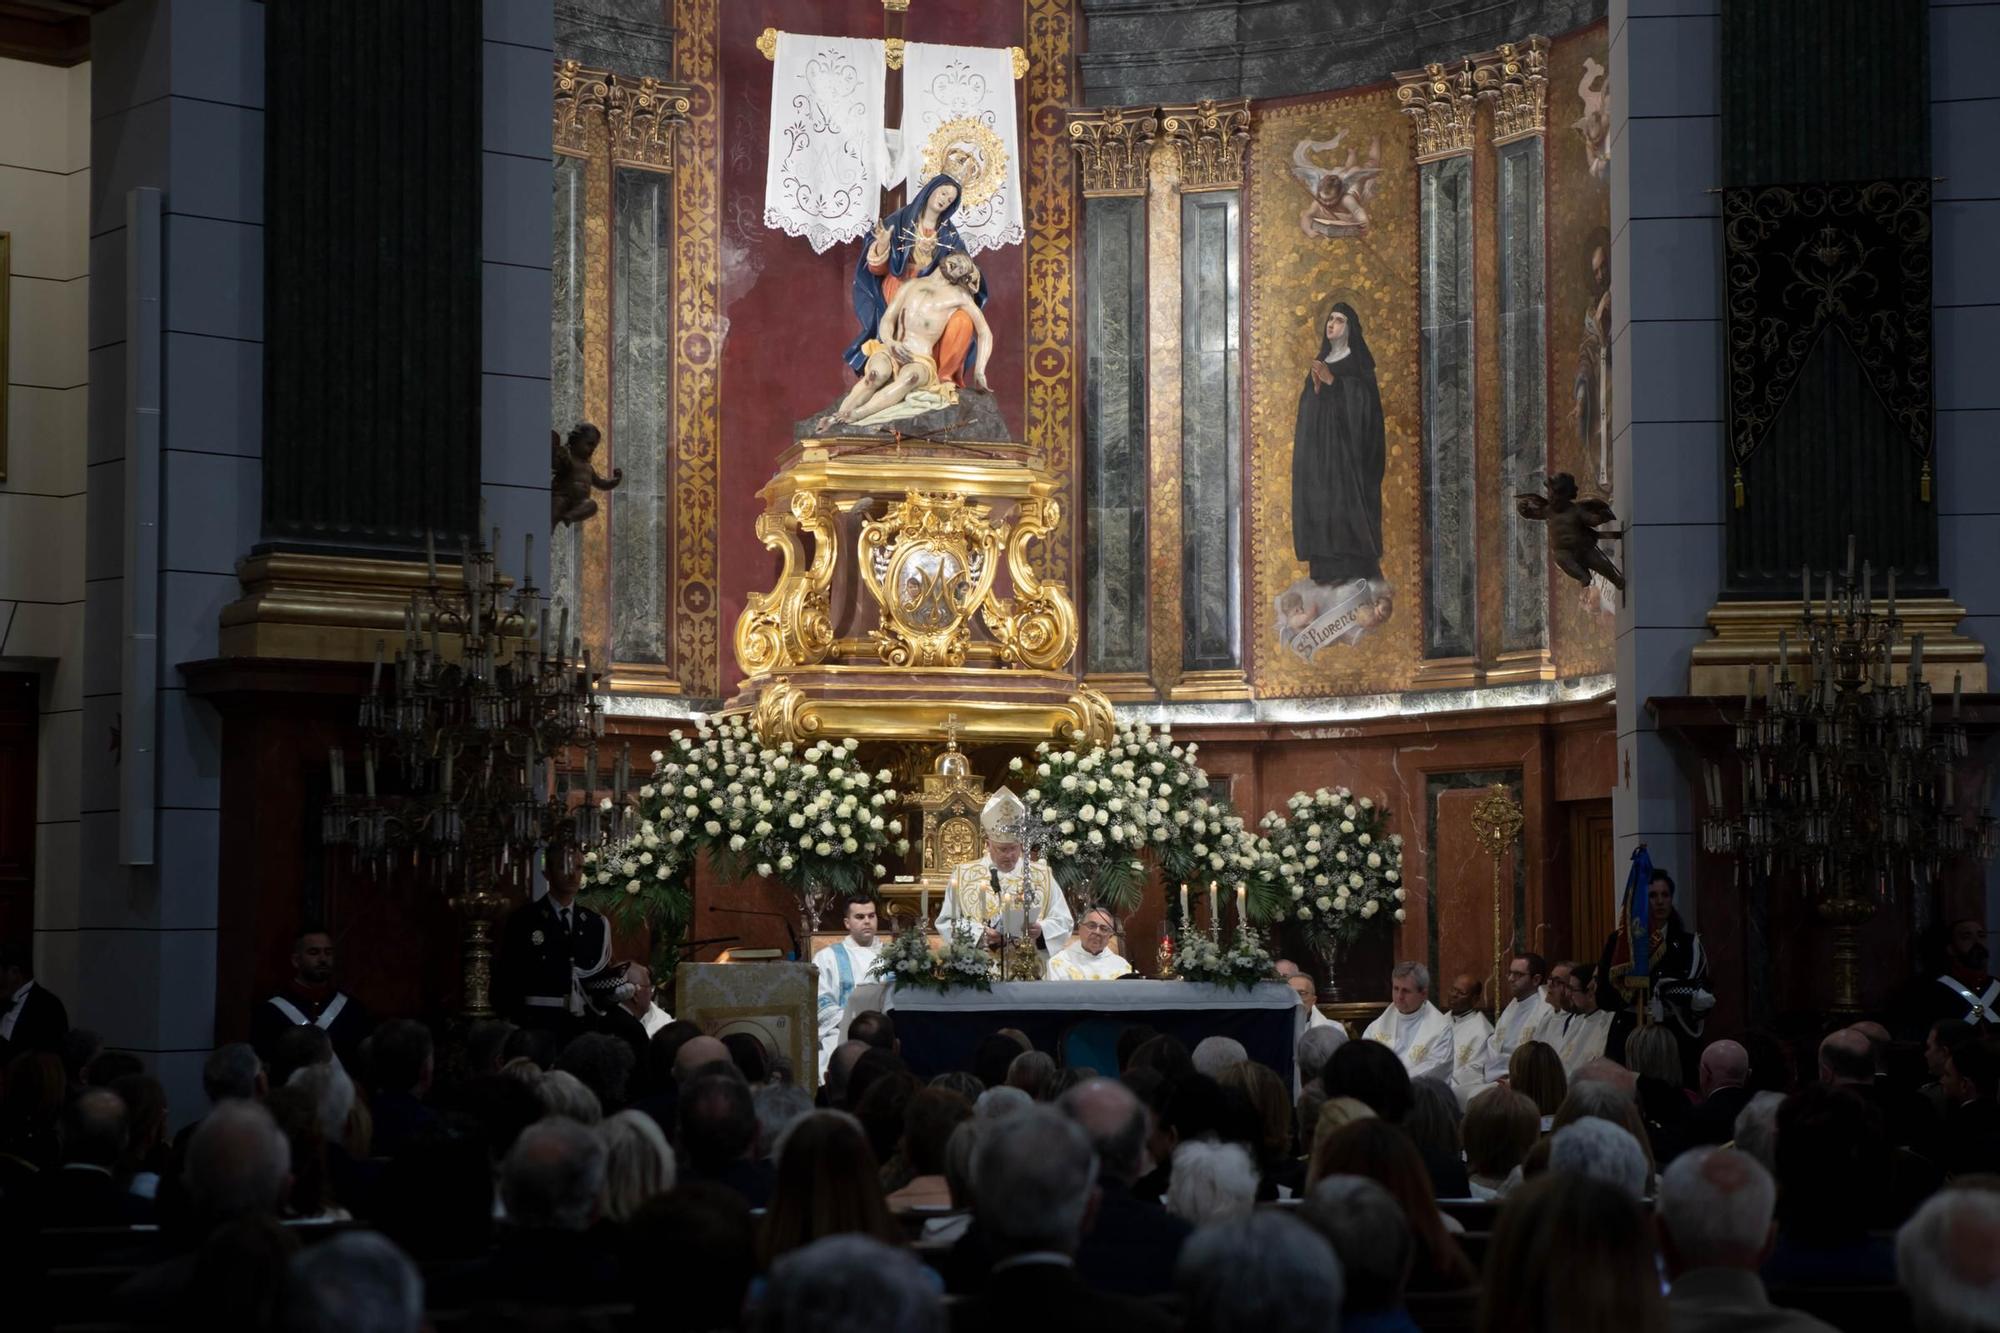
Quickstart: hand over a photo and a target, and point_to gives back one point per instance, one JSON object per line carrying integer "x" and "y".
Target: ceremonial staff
{"x": 1496, "y": 822}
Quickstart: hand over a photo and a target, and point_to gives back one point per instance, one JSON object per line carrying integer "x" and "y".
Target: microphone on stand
{"x": 779, "y": 917}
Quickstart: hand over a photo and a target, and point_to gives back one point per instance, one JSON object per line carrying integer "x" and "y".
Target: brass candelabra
{"x": 1849, "y": 776}
{"x": 461, "y": 754}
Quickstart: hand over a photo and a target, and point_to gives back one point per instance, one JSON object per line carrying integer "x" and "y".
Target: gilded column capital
{"x": 1113, "y": 146}
{"x": 580, "y": 96}
{"x": 1209, "y": 137}
{"x": 1515, "y": 78}
{"x": 642, "y": 116}
{"x": 1440, "y": 99}
{"x": 639, "y": 114}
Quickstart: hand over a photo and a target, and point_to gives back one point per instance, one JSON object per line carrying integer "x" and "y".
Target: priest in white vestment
{"x": 843, "y": 965}
{"x": 1414, "y": 1028}
{"x": 1005, "y": 899}
{"x": 1090, "y": 956}
{"x": 1469, "y": 1026}
{"x": 1589, "y": 1026}
{"x": 1518, "y": 1023}
{"x": 1554, "y": 1022}
{"x": 1304, "y": 987}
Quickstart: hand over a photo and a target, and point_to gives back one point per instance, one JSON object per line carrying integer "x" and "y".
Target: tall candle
{"x": 1242, "y": 918}
{"x": 1850, "y": 546}
{"x": 431, "y": 554}
{"x": 1957, "y": 693}
{"x": 1805, "y": 591}
{"x": 562, "y": 632}
{"x": 368, "y": 769}
{"x": 334, "y": 784}
{"x": 1785, "y": 653}
{"x": 375, "y": 677}
{"x": 1867, "y": 586}
{"x": 1214, "y": 924}
{"x": 1184, "y": 905}
{"x": 1829, "y": 597}
{"x": 1892, "y": 592}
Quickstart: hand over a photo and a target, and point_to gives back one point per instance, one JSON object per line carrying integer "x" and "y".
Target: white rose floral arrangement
{"x": 1199, "y": 956}
{"x": 1330, "y": 863}
{"x": 810, "y": 817}
{"x": 1099, "y": 812}
{"x": 909, "y": 961}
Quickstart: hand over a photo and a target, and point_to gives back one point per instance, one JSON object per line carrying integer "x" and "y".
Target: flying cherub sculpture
{"x": 572, "y": 475}
{"x": 1340, "y": 194}
{"x": 1573, "y": 534}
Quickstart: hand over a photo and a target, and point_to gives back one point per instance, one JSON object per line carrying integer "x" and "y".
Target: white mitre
{"x": 1003, "y": 817}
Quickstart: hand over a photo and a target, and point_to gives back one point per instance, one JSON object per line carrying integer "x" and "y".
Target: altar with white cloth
{"x": 1078, "y": 1022}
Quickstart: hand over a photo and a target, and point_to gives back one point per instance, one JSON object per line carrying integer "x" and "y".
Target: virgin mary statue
{"x": 909, "y": 243}
{"x": 1338, "y": 451}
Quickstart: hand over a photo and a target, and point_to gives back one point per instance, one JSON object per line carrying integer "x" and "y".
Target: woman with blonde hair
{"x": 1382, "y": 1152}
{"x": 1571, "y": 1255}
{"x": 828, "y": 1183}
{"x": 1500, "y": 1128}
{"x": 1536, "y": 1072}
{"x": 639, "y": 1165}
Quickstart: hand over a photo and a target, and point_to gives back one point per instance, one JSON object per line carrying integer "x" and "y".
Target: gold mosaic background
{"x": 1579, "y": 205}
{"x": 1291, "y": 280}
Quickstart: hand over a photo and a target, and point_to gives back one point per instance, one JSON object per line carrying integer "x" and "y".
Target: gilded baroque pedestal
{"x": 909, "y": 592}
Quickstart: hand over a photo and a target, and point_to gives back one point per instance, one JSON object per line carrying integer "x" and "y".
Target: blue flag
{"x": 1638, "y": 930}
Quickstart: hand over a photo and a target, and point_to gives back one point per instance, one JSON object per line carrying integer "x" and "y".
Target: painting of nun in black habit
{"x": 1339, "y": 449}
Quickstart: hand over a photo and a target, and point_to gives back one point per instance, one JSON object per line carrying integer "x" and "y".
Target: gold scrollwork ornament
{"x": 792, "y": 624}
{"x": 929, "y": 563}
{"x": 1036, "y": 627}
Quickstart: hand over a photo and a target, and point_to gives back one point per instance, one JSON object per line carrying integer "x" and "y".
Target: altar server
{"x": 1518, "y": 1021}
{"x": 1469, "y": 1025}
{"x": 1414, "y": 1028}
{"x": 843, "y": 965}
{"x": 1592, "y": 1031}
{"x": 1003, "y": 891}
{"x": 1090, "y": 956}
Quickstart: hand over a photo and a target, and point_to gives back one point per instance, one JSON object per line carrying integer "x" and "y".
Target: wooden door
{"x": 17, "y": 805}
{"x": 1592, "y": 852}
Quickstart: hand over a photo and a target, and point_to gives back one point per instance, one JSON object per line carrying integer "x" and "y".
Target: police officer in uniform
{"x": 550, "y": 949}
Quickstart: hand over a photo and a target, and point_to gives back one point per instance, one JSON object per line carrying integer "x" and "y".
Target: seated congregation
{"x": 504, "y": 1180}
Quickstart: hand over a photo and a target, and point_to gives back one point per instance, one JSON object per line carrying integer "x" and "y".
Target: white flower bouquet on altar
{"x": 1199, "y": 956}
{"x": 909, "y": 961}
{"x": 1329, "y": 863}
{"x": 812, "y": 819}
{"x": 1099, "y": 811}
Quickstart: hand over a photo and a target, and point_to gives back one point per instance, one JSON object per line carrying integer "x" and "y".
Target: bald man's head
{"x": 1845, "y": 1058}
{"x": 1116, "y": 1122}
{"x": 839, "y": 1066}
{"x": 1878, "y": 1042}
{"x": 696, "y": 1052}
{"x": 1724, "y": 1064}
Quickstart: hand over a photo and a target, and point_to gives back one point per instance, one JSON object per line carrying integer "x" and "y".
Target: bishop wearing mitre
{"x": 1003, "y": 896}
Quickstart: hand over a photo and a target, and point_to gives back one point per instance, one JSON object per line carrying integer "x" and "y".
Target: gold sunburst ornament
{"x": 967, "y": 150}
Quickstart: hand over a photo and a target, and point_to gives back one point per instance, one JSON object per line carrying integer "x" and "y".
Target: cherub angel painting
{"x": 1341, "y": 194}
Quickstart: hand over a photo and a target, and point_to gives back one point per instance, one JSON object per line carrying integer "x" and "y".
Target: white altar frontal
{"x": 1078, "y": 1022}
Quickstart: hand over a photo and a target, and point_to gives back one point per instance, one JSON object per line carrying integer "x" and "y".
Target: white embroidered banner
{"x": 828, "y": 149}
{"x": 959, "y": 118}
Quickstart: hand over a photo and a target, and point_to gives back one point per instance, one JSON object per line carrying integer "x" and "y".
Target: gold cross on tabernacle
{"x": 951, "y": 729}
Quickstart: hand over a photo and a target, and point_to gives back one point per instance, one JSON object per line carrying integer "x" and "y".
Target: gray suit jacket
{"x": 1731, "y": 1300}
